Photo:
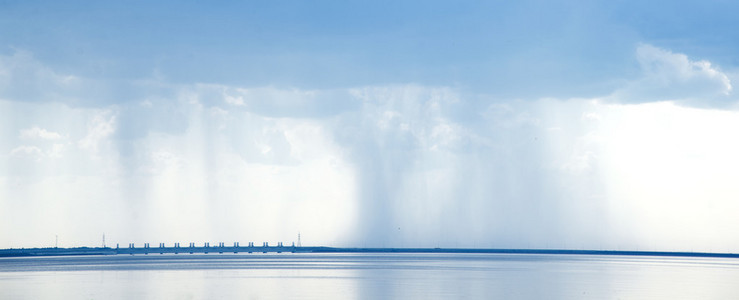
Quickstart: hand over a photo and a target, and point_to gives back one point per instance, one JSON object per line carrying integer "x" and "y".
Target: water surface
{"x": 368, "y": 276}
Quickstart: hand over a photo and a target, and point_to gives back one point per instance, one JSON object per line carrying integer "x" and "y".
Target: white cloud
{"x": 233, "y": 100}
{"x": 39, "y": 133}
{"x": 666, "y": 67}
{"x": 675, "y": 77}
{"x": 23, "y": 78}
{"x": 275, "y": 102}
{"x": 162, "y": 160}
{"x": 37, "y": 153}
{"x": 28, "y": 151}
{"x": 672, "y": 173}
{"x": 592, "y": 116}
{"x": 56, "y": 150}
{"x": 100, "y": 127}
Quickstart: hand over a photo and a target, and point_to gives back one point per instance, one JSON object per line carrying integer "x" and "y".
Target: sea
{"x": 368, "y": 276}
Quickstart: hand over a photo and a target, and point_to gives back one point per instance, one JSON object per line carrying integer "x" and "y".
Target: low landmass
{"x": 25, "y": 252}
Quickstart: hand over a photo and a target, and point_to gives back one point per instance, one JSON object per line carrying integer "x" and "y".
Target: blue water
{"x": 368, "y": 276}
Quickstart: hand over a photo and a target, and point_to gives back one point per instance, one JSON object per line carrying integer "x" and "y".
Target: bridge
{"x": 206, "y": 248}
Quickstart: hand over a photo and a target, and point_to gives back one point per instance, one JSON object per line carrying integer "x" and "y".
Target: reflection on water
{"x": 368, "y": 276}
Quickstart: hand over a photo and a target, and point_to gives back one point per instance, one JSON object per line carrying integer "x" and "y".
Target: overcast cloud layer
{"x": 485, "y": 126}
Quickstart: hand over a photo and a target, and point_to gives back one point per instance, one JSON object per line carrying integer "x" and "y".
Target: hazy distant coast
{"x": 25, "y": 252}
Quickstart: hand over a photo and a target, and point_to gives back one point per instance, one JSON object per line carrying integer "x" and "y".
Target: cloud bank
{"x": 389, "y": 165}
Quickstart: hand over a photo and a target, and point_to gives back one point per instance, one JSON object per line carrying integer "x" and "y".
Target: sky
{"x": 495, "y": 124}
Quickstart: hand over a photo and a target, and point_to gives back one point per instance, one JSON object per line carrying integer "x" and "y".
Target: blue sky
{"x": 473, "y": 124}
{"x": 568, "y": 48}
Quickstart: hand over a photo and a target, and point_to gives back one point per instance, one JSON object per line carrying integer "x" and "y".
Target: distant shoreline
{"x": 35, "y": 252}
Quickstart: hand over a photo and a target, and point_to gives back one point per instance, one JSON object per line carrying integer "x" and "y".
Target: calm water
{"x": 368, "y": 276}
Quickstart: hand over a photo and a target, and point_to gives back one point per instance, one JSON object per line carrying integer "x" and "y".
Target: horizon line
{"x": 222, "y": 248}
